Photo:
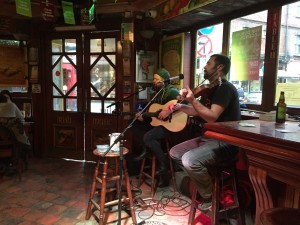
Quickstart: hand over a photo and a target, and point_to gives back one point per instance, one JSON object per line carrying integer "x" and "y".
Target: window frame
{"x": 270, "y": 73}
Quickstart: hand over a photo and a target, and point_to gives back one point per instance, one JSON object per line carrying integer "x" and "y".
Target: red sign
{"x": 47, "y": 10}
{"x": 205, "y": 45}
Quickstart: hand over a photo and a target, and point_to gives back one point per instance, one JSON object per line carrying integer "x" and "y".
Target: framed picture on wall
{"x": 33, "y": 55}
{"x": 171, "y": 54}
{"x": 13, "y": 69}
{"x": 146, "y": 65}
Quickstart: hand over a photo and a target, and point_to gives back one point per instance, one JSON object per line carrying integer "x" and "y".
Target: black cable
{"x": 166, "y": 205}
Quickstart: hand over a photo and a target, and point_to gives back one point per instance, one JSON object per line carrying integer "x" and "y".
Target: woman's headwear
{"x": 163, "y": 73}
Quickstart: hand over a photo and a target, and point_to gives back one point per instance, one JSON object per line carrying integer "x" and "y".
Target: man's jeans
{"x": 195, "y": 156}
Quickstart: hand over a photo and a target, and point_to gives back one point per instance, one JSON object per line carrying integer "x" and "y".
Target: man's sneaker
{"x": 205, "y": 205}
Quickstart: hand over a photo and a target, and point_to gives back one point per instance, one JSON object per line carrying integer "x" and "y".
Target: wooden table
{"x": 272, "y": 150}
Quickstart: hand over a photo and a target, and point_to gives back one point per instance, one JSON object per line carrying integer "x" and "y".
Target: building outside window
{"x": 297, "y": 45}
{"x": 247, "y": 53}
{"x": 247, "y": 44}
{"x": 288, "y": 74}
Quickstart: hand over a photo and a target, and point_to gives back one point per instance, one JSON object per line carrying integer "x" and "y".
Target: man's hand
{"x": 164, "y": 114}
{"x": 174, "y": 106}
{"x": 139, "y": 117}
{"x": 187, "y": 94}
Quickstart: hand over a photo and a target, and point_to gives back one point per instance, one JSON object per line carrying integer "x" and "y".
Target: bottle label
{"x": 281, "y": 113}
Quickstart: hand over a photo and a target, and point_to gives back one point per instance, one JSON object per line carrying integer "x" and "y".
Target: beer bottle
{"x": 281, "y": 109}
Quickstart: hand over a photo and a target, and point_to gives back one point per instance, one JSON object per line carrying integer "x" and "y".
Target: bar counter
{"x": 272, "y": 150}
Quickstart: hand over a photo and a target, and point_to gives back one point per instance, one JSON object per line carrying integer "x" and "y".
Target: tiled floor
{"x": 55, "y": 191}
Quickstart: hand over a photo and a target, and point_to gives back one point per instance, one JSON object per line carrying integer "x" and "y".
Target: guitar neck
{"x": 150, "y": 114}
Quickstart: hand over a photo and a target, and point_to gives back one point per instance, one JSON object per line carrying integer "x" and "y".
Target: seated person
{"x": 14, "y": 111}
{"x": 11, "y": 117}
{"x": 197, "y": 155}
{"x": 147, "y": 137}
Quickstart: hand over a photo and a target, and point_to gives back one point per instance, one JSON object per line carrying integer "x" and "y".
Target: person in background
{"x": 241, "y": 94}
{"x": 12, "y": 118}
{"x": 221, "y": 103}
{"x": 148, "y": 138}
{"x": 10, "y": 109}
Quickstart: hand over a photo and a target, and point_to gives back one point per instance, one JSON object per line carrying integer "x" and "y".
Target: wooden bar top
{"x": 287, "y": 134}
{"x": 272, "y": 150}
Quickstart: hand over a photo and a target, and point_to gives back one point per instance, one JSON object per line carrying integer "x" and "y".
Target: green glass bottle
{"x": 281, "y": 109}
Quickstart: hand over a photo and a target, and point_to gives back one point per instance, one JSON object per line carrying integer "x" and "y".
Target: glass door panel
{"x": 64, "y": 78}
{"x": 64, "y": 116}
{"x": 81, "y": 86}
{"x": 101, "y": 83}
{"x": 102, "y": 74}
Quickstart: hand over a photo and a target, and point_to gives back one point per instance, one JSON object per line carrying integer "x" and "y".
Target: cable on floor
{"x": 171, "y": 203}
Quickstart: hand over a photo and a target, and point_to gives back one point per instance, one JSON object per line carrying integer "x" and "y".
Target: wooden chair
{"x": 16, "y": 126}
{"x": 10, "y": 150}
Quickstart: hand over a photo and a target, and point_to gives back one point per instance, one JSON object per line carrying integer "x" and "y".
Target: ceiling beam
{"x": 136, "y": 6}
{"x": 9, "y": 10}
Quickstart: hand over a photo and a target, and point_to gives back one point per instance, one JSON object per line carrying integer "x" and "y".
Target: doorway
{"x": 81, "y": 84}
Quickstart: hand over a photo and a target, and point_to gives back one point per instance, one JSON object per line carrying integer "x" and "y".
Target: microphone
{"x": 180, "y": 77}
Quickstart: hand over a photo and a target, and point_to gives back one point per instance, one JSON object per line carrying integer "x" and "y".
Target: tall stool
{"x": 108, "y": 176}
{"x": 147, "y": 173}
{"x": 221, "y": 173}
{"x": 280, "y": 216}
{"x": 148, "y": 169}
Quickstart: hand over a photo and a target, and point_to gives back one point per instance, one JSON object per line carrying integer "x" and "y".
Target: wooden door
{"x": 81, "y": 82}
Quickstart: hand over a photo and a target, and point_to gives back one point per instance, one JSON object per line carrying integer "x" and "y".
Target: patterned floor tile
{"x": 56, "y": 192}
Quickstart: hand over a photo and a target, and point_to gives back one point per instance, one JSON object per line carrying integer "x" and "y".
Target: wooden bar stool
{"x": 107, "y": 181}
{"x": 148, "y": 169}
{"x": 171, "y": 165}
{"x": 147, "y": 173}
{"x": 280, "y": 216}
{"x": 223, "y": 175}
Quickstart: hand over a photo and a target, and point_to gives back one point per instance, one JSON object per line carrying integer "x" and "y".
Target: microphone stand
{"x": 119, "y": 139}
{"x": 125, "y": 98}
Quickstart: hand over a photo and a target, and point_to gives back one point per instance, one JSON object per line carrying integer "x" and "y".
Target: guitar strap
{"x": 159, "y": 98}
{"x": 162, "y": 95}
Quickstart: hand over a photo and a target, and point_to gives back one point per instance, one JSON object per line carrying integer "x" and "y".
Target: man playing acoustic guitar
{"x": 148, "y": 137}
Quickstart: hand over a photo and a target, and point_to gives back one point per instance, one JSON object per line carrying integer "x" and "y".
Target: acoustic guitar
{"x": 175, "y": 122}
